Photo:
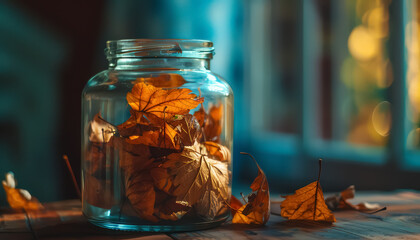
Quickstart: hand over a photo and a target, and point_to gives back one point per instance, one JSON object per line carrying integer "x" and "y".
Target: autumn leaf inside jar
{"x": 157, "y": 138}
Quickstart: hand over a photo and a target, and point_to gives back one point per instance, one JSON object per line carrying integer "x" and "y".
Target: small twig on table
{"x": 76, "y": 186}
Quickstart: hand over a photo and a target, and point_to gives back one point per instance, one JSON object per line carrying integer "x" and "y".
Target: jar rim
{"x": 164, "y": 48}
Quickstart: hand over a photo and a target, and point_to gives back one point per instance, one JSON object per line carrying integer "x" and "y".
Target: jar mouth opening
{"x": 165, "y": 48}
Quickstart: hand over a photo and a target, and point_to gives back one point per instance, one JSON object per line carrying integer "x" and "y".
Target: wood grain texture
{"x": 64, "y": 220}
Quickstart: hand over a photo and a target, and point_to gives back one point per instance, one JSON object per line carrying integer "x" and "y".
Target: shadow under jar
{"x": 157, "y": 138}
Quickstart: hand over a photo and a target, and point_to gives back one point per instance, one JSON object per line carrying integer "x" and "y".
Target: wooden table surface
{"x": 64, "y": 220}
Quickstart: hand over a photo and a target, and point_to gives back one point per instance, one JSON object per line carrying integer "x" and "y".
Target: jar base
{"x": 156, "y": 228}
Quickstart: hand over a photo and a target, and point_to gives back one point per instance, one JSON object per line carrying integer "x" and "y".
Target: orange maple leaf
{"x": 162, "y": 103}
{"x": 307, "y": 204}
{"x": 19, "y": 198}
{"x": 257, "y": 210}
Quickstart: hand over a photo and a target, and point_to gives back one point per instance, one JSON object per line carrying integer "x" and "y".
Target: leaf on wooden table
{"x": 19, "y": 198}
{"x": 307, "y": 204}
{"x": 162, "y": 103}
{"x": 340, "y": 202}
{"x": 194, "y": 174}
{"x": 257, "y": 209}
{"x": 100, "y": 131}
{"x": 235, "y": 204}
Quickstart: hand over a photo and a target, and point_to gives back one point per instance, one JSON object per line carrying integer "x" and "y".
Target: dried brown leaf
{"x": 141, "y": 194}
{"x": 194, "y": 174}
{"x": 100, "y": 131}
{"x": 340, "y": 202}
{"x": 211, "y": 123}
{"x": 257, "y": 209}
{"x": 19, "y": 198}
{"x": 307, "y": 204}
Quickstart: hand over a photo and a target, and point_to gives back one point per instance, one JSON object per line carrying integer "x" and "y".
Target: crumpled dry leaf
{"x": 339, "y": 201}
{"x": 187, "y": 127}
{"x": 211, "y": 123}
{"x": 139, "y": 123}
{"x": 162, "y": 103}
{"x": 307, "y": 204}
{"x": 100, "y": 131}
{"x": 161, "y": 179}
{"x": 218, "y": 151}
{"x": 257, "y": 209}
{"x": 149, "y": 130}
{"x": 164, "y": 80}
{"x": 235, "y": 205}
{"x": 156, "y": 138}
{"x": 19, "y": 198}
{"x": 133, "y": 158}
{"x": 194, "y": 174}
{"x": 141, "y": 194}
{"x": 211, "y": 205}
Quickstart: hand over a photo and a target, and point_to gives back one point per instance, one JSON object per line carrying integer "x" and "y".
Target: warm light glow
{"x": 362, "y": 45}
{"x": 411, "y": 37}
{"x": 381, "y": 118}
{"x": 414, "y": 94}
{"x": 366, "y": 72}
{"x": 378, "y": 22}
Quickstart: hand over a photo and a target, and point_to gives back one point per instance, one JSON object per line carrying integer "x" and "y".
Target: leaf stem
{"x": 320, "y": 168}
{"x": 317, "y": 187}
{"x": 245, "y": 153}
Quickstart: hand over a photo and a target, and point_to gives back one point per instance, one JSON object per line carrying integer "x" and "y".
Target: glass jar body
{"x": 156, "y": 146}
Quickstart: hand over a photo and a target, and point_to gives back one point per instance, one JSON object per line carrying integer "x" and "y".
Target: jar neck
{"x": 159, "y": 63}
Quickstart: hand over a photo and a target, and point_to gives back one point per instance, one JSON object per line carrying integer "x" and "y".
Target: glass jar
{"x": 157, "y": 130}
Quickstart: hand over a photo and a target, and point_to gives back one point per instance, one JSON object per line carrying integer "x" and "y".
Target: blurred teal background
{"x": 337, "y": 80}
